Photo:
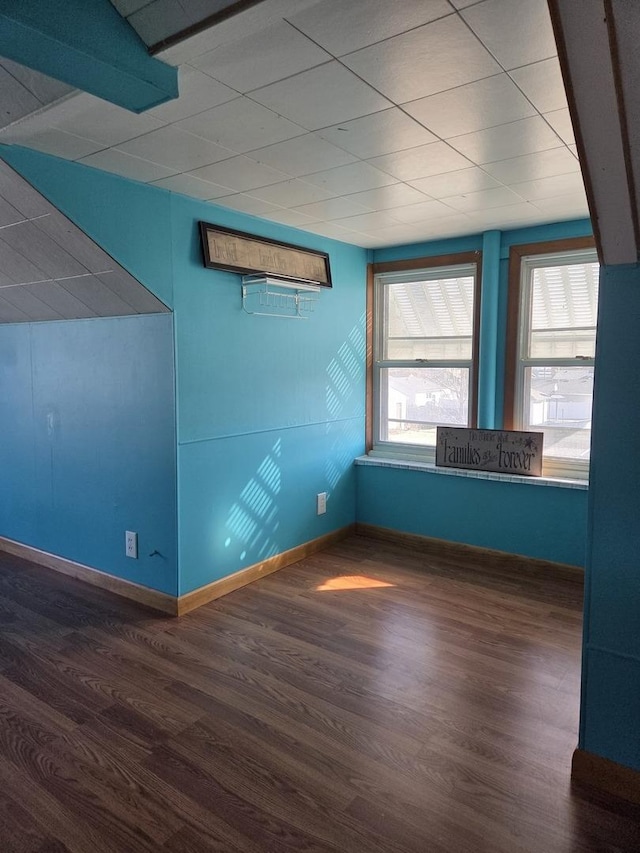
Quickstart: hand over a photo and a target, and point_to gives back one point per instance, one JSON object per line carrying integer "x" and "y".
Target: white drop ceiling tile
{"x": 241, "y": 125}
{"x": 506, "y": 141}
{"x": 76, "y": 242}
{"x": 303, "y": 155}
{"x": 342, "y": 27}
{"x": 97, "y": 296}
{"x": 262, "y": 58}
{"x": 560, "y": 121}
{"x": 574, "y": 149}
{"x": 367, "y": 221}
{"x": 36, "y": 245}
{"x": 291, "y": 217}
{"x": 61, "y": 300}
{"x": 198, "y": 92}
{"x": 515, "y": 33}
{"x": 9, "y": 313}
{"x": 380, "y": 133}
{"x": 474, "y": 106}
{"x": 17, "y": 100}
{"x": 333, "y": 208}
{"x": 292, "y": 193}
{"x": 397, "y": 235}
{"x": 530, "y": 167}
{"x": 27, "y": 302}
{"x": 248, "y": 204}
{"x": 128, "y": 7}
{"x": 333, "y": 231}
{"x": 469, "y": 180}
{"x": 321, "y": 97}
{"x": 8, "y": 214}
{"x": 93, "y": 118}
{"x": 484, "y": 200}
{"x": 51, "y": 141}
{"x": 542, "y": 84}
{"x": 16, "y": 268}
{"x": 365, "y": 241}
{"x": 194, "y": 187}
{"x": 422, "y": 212}
{"x": 509, "y": 216}
{"x": 159, "y": 19}
{"x": 421, "y": 162}
{"x": 424, "y": 61}
{"x": 462, "y": 4}
{"x": 561, "y": 207}
{"x": 239, "y": 173}
{"x": 21, "y": 195}
{"x": 44, "y": 88}
{"x": 135, "y": 168}
{"x": 141, "y": 300}
{"x": 176, "y": 149}
{"x": 544, "y": 188}
{"x": 384, "y": 198}
{"x": 353, "y": 178}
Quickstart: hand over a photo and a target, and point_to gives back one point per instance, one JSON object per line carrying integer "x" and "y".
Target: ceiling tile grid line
{"x": 437, "y": 116}
{"x": 51, "y": 270}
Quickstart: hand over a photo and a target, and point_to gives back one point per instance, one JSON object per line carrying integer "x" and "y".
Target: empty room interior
{"x": 319, "y": 527}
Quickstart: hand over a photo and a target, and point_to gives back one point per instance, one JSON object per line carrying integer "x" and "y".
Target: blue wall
{"x": 544, "y": 522}
{"x": 88, "y": 442}
{"x": 270, "y": 411}
{"x": 611, "y": 664}
{"x": 434, "y": 505}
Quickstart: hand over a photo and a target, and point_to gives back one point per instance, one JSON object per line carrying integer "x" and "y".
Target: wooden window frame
{"x": 410, "y": 265}
{"x": 516, "y": 256}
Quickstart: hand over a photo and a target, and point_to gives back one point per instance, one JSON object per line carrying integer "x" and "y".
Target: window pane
{"x": 429, "y": 319}
{"x": 567, "y": 343}
{"x": 558, "y": 403}
{"x": 564, "y": 307}
{"x": 414, "y": 400}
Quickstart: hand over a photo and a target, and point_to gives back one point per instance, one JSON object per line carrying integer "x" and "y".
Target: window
{"x": 425, "y": 340}
{"x": 553, "y": 303}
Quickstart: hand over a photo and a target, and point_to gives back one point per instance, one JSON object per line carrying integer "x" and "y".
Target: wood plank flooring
{"x": 369, "y": 699}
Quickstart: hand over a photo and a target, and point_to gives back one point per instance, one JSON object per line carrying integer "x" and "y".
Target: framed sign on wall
{"x": 237, "y": 251}
{"x": 498, "y": 450}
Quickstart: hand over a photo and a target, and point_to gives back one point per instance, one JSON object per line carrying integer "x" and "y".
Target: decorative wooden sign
{"x": 503, "y": 451}
{"x": 236, "y": 251}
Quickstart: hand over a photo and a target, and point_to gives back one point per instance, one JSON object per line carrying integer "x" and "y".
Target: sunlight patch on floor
{"x": 351, "y": 582}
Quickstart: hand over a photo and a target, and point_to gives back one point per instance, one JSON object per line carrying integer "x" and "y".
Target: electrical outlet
{"x": 131, "y": 544}
{"x": 321, "y": 503}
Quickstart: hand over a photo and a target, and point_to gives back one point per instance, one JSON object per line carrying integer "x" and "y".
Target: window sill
{"x": 431, "y": 468}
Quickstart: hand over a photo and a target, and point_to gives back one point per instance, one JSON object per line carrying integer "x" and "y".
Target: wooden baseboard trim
{"x": 174, "y": 606}
{"x": 127, "y": 589}
{"x": 605, "y": 775}
{"x": 459, "y": 552}
{"x": 160, "y": 600}
{"x": 221, "y": 587}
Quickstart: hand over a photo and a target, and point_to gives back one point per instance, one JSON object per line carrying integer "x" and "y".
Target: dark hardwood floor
{"x": 369, "y": 699}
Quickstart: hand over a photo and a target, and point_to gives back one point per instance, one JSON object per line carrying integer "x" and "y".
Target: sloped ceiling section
{"x": 51, "y": 270}
{"x": 24, "y": 91}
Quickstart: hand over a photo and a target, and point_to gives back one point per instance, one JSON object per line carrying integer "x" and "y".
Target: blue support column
{"x": 86, "y": 44}
{"x": 489, "y": 303}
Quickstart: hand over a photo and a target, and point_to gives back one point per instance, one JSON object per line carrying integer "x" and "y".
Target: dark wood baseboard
{"x": 605, "y": 775}
{"x": 459, "y": 552}
{"x": 171, "y": 604}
